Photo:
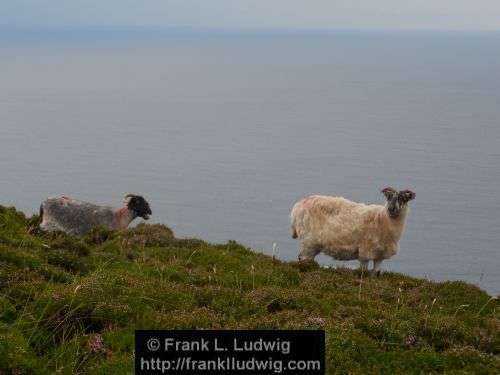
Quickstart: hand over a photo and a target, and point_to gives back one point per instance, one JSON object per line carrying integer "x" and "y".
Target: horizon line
{"x": 230, "y": 30}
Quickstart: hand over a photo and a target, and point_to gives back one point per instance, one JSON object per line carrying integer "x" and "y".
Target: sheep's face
{"x": 138, "y": 205}
{"x": 397, "y": 200}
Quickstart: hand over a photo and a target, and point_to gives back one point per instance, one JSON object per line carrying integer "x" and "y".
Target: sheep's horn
{"x": 126, "y": 197}
{"x": 387, "y": 189}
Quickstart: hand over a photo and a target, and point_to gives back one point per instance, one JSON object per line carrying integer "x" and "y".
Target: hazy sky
{"x": 257, "y": 14}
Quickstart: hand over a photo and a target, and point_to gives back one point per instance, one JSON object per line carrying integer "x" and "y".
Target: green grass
{"x": 59, "y": 296}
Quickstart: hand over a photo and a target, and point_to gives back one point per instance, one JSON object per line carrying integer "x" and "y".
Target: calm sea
{"x": 223, "y": 133}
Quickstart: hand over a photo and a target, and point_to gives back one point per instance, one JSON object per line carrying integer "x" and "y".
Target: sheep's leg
{"x": 363, "y": 265}
{"x": 376, "y": 266}
{"x": 308, "y": 252}
{"x": 54, "y": 228}
{"x": 50, "y": 226}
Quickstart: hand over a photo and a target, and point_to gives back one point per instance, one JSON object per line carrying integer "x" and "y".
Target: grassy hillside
{"x": 71, "y": 306}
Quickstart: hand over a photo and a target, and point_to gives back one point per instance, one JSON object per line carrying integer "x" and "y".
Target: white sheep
{"x": 347, "y": 230}
{"x": 77, "y": 218}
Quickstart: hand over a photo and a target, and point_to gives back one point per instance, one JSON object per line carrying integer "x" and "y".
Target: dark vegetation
{"x": 71, "y": 306}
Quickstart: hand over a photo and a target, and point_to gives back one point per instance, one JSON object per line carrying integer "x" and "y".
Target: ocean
{"x": 222, "y": 132}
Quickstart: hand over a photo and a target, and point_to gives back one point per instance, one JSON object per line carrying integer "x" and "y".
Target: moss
{"x": 58, "y": 293}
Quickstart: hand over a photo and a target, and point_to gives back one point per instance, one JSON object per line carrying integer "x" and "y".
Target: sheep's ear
{"x": 388, "y": 192}
{"x": 407, "y": 195}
